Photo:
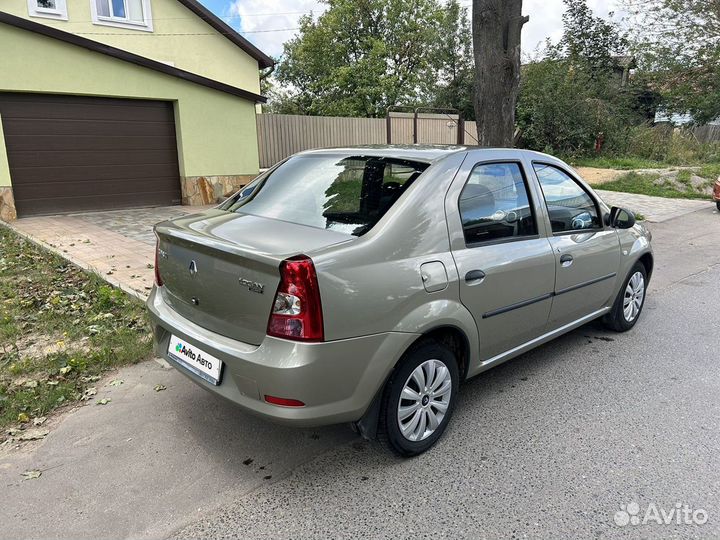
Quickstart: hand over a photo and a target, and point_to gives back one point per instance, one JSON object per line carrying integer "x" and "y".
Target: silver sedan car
{"x": 364, "y": 284}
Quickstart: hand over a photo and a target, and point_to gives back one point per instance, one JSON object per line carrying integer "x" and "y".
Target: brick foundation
{"x": 202, "y": 190}
{"x": 7, "y": 204}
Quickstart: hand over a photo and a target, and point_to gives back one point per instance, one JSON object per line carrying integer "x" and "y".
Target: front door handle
{"x": 474, "y": 276}
{"x": 566, "y": 260}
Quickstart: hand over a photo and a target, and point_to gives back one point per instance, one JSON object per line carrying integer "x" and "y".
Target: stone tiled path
{"x": 655, "y": 209}
{"x": 135, "y": 224}
{"x": 118, "y": 245}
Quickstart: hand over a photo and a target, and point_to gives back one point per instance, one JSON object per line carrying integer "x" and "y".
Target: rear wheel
{"x": 629, "y": 302}
{"x": 718, "y": 205}
{"x": 419, "y": 399}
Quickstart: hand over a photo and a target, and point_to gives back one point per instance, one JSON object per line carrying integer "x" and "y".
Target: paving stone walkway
{"x": 118, "y": 245}
{"x": 136, "y": 224}
{"x": 654, "y": 209}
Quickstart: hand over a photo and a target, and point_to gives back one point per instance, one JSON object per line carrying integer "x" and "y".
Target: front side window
{"x": 122, "y": 12}
{"x": 340, "y": 193}
{"x": 494, "y": 204}
{"x": 49, "y": 9}
{"x": 569, "y": 206}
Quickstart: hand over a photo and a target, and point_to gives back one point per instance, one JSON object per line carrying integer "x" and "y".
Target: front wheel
{"x": 629, "y": 302}
{"x": 419, "y": 399}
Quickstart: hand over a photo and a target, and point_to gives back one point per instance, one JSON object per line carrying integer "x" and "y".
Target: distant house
{"x": 678, "y": 119}
{"x": 623, "y": 69}
{"x": 108, "y": 104}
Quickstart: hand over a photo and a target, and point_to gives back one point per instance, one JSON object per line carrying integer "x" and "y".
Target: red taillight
{"x": 284, "y": 402}
{"x": 158, "y": 278}
{"x": 297, "y": 311}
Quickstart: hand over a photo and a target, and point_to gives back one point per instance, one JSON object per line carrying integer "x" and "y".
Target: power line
{"x": 218, "y": 16}
{"x": 183, "y": 33}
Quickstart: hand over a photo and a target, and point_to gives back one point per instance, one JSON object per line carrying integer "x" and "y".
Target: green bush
{"x": 667, "y": 145}
{"x": 564, "y": 109}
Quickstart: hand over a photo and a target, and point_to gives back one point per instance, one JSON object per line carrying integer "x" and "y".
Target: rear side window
{"x": 346, "y": 194}
{"x": 569, "y": 206}
{"x": 494, "y": 204}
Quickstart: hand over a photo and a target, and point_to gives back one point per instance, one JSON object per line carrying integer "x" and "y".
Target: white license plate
{"x": 192, "y": 358}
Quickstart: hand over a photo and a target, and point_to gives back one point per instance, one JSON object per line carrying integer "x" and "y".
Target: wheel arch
{"x": 454, "y": 338}
{"x": 450, "y": 335}
{"x": 648, "y": 262}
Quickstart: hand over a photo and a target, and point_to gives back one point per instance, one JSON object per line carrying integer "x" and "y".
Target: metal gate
{"x": 425, "y": 126}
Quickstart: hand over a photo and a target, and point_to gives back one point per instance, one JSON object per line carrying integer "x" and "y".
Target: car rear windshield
{"x": 341, "y": 193}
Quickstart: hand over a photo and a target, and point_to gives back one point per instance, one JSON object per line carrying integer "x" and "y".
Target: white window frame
{"x": 59, "y": 13}
{"x": 119, "y": 22}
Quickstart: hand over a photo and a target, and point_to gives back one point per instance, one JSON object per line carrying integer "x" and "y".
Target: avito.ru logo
{"x": 680, "y": 514}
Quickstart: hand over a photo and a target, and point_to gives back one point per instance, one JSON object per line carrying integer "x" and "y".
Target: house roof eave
{"x": 263, "y": 60}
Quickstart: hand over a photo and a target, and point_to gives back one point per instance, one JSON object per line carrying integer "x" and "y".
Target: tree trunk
{"x": 496, "y": 28}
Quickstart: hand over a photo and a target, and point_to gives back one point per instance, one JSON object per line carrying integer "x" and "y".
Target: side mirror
{"x": 620, "y": 218}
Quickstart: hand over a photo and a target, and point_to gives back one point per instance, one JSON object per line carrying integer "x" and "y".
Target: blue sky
{"x": 260, "y": 20}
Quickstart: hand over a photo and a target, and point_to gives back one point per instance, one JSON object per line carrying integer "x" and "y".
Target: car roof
{"x": 415, "y": 152}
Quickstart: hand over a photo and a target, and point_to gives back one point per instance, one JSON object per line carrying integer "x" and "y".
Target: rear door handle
{"x": 474, "y": 276}
{"x": 566, "y": 260}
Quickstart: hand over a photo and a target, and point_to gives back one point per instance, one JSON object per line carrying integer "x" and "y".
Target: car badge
{"x": 193, "y": 268}
{"x": 252, "y": 286}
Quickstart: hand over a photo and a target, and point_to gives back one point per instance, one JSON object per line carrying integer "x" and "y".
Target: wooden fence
{"x": 707, "y": 133}
{"x": 281, "y": 135}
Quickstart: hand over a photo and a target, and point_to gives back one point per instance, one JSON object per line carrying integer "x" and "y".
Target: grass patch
{"x": 61, "y": 328}
{"x": 710, "y": 170}
{"x": 646, "y": 184}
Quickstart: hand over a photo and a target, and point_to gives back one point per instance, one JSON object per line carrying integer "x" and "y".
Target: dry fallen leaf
{"x": 39, "y": 421}
{"x": 88, "y": 394}
{"x": 160, "y": 387}
{"x": 23, "y": 417}
{"x": 103, "y": 401}
{"x": 116, "y": 382}
{"x": 29, "y": 475}
{"x": 30, "y": 434}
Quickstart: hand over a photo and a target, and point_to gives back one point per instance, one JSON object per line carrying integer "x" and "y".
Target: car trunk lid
{"x": 221, "y": 269}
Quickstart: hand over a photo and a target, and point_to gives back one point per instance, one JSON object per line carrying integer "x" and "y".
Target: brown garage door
{"x": 70, "y": 154}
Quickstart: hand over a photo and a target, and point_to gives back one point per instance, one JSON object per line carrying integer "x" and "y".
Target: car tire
{"x": 414, "y": 415}
{"x": 717, "y": 203}
{"x": 630, "y": 300}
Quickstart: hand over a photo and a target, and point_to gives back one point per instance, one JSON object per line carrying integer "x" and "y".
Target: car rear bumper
{"x": 336, "y": 380}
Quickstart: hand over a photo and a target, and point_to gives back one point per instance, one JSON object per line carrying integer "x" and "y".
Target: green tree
{"x": 678, "y": 45}
{"x": 574, "y": 97}
{"x": 362, "y": 56}
{"x": 589, "y": 41}
{"x": 454, "y": 62}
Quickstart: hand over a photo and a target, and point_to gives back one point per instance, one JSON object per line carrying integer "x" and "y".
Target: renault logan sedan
{"x": 364, "y": 284}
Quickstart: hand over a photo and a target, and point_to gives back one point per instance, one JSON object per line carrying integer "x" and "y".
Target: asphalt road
{"x": 548, "y": 445}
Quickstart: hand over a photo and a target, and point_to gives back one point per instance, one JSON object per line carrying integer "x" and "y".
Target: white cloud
{"x": 252, "y": 15}
{"x": 546, "y": 20}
